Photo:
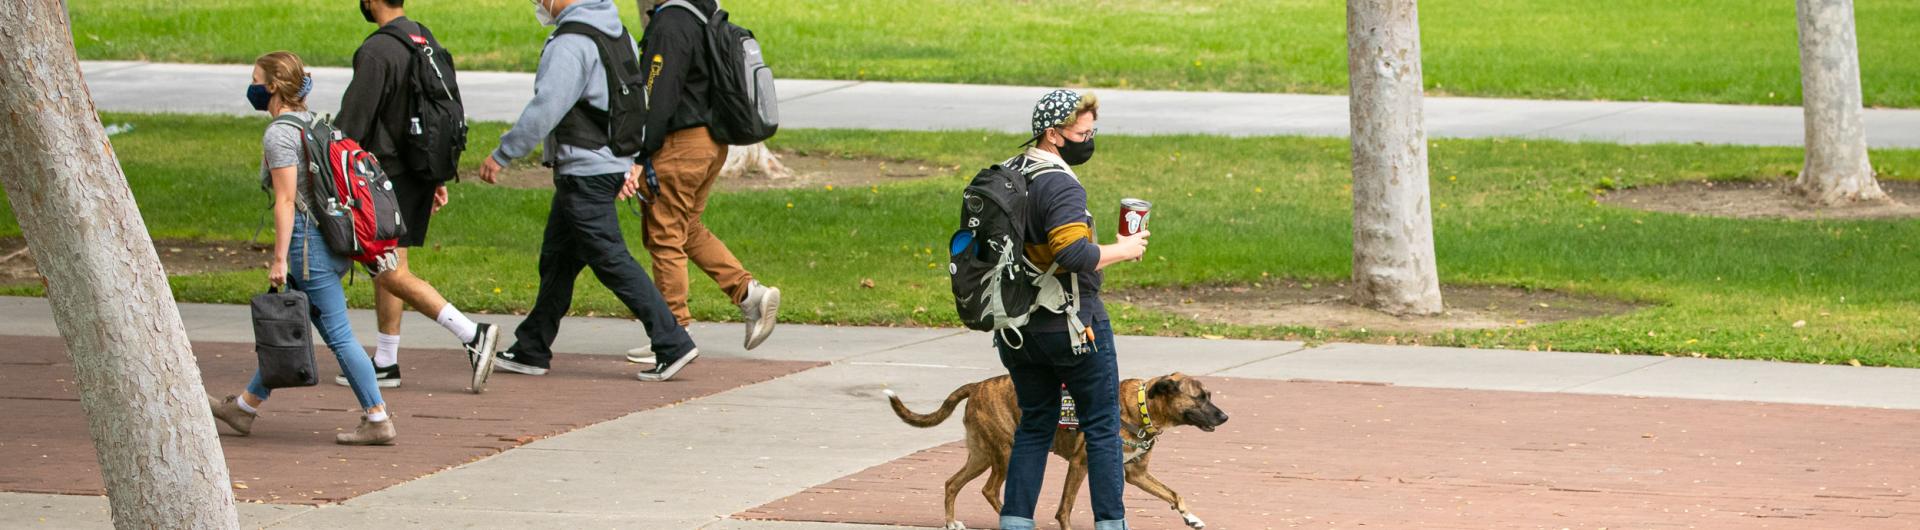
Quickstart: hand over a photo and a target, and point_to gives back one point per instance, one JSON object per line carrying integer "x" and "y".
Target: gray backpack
{"x": 745, "y": 109}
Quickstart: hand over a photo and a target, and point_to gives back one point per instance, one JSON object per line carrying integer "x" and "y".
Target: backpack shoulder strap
{"x": 690, "y": 7}
{"x": 406, "y": 39}
{"x": 1032, "y": 168}
{"x": 291, "y": 119}
{"x": 578, "y": 28}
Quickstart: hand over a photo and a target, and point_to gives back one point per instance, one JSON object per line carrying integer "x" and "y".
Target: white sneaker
{"x": 761, "y": 310}
{"x": 642, "y": 355}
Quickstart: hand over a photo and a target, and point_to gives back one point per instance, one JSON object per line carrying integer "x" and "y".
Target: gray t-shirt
{"x": 283, "y": 148}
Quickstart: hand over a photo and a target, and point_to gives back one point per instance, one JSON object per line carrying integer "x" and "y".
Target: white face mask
{"x": 542, "y": 14}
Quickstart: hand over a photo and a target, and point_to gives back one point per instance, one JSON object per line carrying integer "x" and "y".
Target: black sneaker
{"x": 663, "y": 372}
{"x": 480, "y": 354}
{"x": 505, "y": 361}
{"x": 388, "y": 377}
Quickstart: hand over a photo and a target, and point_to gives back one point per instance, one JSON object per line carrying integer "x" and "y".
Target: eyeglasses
{"x": 1088, "y": 136}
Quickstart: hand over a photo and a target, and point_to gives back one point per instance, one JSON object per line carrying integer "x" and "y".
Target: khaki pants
{"x": 686, "y": 167}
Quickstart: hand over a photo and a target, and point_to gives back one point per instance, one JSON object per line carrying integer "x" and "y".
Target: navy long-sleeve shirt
{"x": 1063, "y": 229}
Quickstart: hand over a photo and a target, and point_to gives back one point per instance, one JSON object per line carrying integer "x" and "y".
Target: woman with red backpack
{"x": 301, "y": 259}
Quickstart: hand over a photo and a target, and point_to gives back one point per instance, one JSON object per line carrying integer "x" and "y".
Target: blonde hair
{"x": 1089, "y": 104}
{"x": 284, "y": 76}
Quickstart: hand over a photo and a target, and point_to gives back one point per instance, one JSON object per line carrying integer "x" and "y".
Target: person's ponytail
{"x": 286, "y": 76}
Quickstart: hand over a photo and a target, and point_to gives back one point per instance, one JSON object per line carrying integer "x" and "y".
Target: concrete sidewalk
{"x": 747, "y": 447}
{"x": 499, "y": 96}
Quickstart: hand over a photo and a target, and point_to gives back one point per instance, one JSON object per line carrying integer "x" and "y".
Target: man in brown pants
{"x": 684, "y": 161}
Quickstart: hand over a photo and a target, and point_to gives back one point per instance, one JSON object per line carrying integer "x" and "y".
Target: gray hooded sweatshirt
{"x": 570, "y": 71}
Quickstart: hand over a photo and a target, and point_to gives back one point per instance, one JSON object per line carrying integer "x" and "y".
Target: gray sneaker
{"x": 369, "y": 433}
{"x": 761, "y": 310}
{"x": 228, "y": 412}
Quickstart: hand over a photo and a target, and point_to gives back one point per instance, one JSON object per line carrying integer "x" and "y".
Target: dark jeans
{"x": 583, "y": 231}
{"x": 1045, "y": 362}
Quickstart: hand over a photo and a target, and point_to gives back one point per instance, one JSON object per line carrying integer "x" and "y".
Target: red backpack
{"x": 350, "y": 197}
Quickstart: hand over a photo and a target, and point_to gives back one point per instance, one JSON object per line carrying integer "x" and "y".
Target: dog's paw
{"x": 951, "y": 525}
{"x": 1193, "y": 521}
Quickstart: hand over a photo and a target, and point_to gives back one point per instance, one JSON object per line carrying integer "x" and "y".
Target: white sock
{"x": 457, "y": 323}
{"x": 377, "y": 417}
{"x": 244, "y": 406}
{"x": 387, "y": 352}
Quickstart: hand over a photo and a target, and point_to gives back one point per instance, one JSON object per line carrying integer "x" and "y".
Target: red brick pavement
{"x": 1299, "y": 454}
{"x": 291, "y": 457}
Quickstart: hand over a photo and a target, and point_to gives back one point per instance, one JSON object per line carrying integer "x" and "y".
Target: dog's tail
{"x": 928, "y": 420}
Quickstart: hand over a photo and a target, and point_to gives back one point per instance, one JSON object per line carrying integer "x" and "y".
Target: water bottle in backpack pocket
{"x": 436, "y": 131}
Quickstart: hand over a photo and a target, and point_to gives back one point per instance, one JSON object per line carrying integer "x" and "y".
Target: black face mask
{"x": 1076, "y": 153}
{"x": 366, "y": 12}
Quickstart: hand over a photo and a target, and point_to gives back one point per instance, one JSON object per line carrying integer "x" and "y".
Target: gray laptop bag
{"x": 283, "y": 338}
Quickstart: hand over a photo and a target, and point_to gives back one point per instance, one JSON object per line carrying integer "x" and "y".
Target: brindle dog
{"x": 993, "y": 414}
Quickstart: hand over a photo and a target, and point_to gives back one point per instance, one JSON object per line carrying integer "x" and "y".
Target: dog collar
{"x": 1144, "y": 437}
{"x": 1146, "y": 432}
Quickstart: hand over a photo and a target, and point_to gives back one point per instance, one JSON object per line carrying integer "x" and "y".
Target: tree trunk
{"x": 754, "y": 162}
{"x": 1837, "y": 170}
{"x": 159, "y": 454}
{"x": 1393, "y": 262}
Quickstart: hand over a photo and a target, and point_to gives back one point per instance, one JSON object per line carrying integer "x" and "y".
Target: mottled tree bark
{"x": 1393, "y": 261}
{"x": 754, "y": 162}
{"x": 159, "y": 454}
{"x": 1837, "y": 170}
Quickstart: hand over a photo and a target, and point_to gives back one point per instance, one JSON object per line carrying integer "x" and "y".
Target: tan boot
{"x": 229, "y": 412}
{"x": 369, "y": 433}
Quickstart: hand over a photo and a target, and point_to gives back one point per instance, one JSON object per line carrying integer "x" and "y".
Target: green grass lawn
{"x": 1508, "y": 213}
{"x": 1729, "y": 51}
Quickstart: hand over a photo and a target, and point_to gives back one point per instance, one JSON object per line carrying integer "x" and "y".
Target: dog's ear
{"x": 1163, "y": 387}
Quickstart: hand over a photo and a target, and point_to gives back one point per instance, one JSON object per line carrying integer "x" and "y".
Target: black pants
{"x": 583, "y": 231}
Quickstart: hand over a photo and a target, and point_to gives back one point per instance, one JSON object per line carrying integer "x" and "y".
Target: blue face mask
{"x": 259, "y": 97}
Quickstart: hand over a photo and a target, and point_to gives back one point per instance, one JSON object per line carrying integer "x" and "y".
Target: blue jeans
{"x": 314, "y": 270}
{"x": 1039, "y": 368}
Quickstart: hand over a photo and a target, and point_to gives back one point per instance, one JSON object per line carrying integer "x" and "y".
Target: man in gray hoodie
{"x": 583, "y": 225}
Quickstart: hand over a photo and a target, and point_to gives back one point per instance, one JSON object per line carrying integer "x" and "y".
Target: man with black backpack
{"x": 684, "y": 147}
{"x": 403, "y": 106}
{"x": 1026, "y": 265}
{"x": 579, "y": 112}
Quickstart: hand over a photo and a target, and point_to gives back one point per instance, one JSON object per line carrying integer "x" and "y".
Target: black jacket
{"x": 673, "y": 52}
{"x": 374, "y": 109}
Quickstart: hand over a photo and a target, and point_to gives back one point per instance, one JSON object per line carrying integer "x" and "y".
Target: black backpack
{"x": 995, "y": 287}
{"x": 621, "y": 127}
{"x": 437, "y": 120}
{"x": 745, "y": 109}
